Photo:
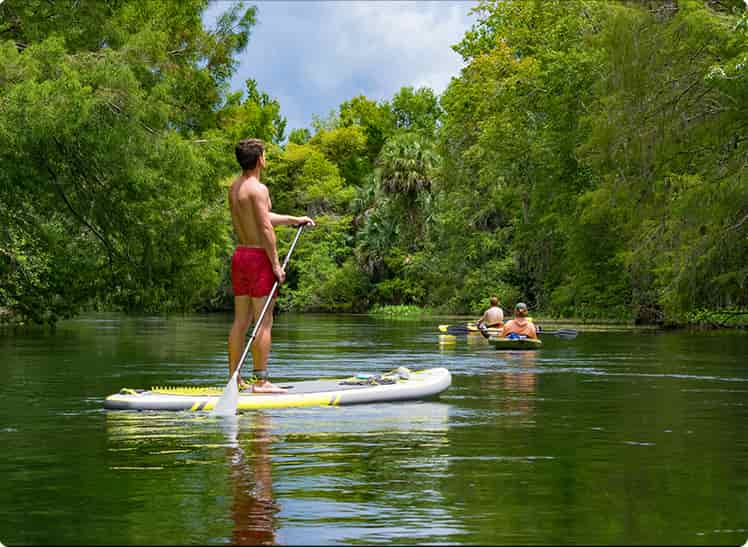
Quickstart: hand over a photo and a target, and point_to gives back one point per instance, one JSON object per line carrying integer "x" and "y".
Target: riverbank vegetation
{"x": 403, "y": 311}
{"x": 590, "y": 160}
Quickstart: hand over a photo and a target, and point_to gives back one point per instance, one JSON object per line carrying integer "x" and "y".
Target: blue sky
{"x": 313, "y": 55}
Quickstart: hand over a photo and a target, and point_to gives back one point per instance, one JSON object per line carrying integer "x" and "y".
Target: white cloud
{"x": 312, "y": 56}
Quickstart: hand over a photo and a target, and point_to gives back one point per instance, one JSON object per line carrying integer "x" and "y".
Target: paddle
{"x": 226, "y": 405}
{"x": 564, "y": 334}
{"x": 458, "y": 329}
{"x": 452, "y": 329}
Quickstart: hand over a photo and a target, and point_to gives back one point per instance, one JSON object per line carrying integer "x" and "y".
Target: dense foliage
{"x": 590, "y": 159}
{"x": 115, "y": 130}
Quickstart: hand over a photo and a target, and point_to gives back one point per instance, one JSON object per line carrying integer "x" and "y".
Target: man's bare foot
{"x": 266, "y": 387}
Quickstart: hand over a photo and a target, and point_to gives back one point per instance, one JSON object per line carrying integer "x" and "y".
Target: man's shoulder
{"x": 256, "y": 187}
{"x": 250, "y": 187}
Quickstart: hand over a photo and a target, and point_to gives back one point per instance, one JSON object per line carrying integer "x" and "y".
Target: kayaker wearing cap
{"x": 520, "y": 324}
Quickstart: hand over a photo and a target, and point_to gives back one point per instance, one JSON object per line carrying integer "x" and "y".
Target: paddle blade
{"x": 454, "y": 329}
{"x": 226, "y": 405}
{"x": 564, "y": 334}
{"x": 230, "y": 426}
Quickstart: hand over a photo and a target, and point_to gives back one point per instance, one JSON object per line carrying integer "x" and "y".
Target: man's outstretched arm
{"x": 288, "y": 220}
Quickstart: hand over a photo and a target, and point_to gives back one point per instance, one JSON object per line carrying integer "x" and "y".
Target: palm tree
{"x": 406, "y": 166}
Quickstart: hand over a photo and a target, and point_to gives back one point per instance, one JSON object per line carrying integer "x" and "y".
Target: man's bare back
{"x": 243, "y": 194}
{"x": 494, "y": 315}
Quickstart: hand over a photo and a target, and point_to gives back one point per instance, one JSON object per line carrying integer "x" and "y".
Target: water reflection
{"x": 377, "y": 471}
{"x": 262, "y": 478}
{"x": 253, "y": 508}
{"x": 518, "y": 379}
{"x": 476, "y": 338}
{"x": 179, "y": 448}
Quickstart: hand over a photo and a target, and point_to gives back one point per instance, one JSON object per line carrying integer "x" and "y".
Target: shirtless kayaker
{"x": 493, "y": 316}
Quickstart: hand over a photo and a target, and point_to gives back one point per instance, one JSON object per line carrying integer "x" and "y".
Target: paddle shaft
{"x": 567, "y": 334}
{"x": 266, "y": 306}
{"x": 563, "y": 334}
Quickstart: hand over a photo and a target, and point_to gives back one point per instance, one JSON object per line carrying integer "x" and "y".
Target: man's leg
{"x": 237, "y": 336}
{"x": 261, "y": 345}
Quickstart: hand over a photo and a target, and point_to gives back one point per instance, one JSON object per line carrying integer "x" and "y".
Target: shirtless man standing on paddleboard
{"x": 255, "y": 265}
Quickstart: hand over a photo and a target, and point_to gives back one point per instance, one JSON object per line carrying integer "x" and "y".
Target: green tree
{"x": 314, "y": 180}
{"x": 300, "y": 136}
{"x": 110, "y": 195}
{"x": 376, "y": 119}
{"x": 668, "y": 143}
{"x": 346, "y": 148}
{"x": 417, "y": 110}
{"x": 513, "y": 122}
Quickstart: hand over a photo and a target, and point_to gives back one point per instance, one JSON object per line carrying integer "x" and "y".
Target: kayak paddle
{"x": 564, "y": 334}
{"x": 226, "y": 405}
{"x": 458, "y": 329}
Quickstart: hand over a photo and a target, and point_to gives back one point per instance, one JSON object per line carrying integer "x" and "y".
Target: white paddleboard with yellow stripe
{"x": 397, "y": 385}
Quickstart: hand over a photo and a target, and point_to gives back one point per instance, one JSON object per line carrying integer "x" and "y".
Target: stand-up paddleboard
{"x": 514, "y": 343}
{"x": 397, "y": 385}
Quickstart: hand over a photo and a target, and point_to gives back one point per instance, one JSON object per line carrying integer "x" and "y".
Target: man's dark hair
{"x": 248, "y": 152}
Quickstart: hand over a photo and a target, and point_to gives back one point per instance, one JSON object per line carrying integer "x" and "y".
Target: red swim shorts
{"x": 251, "y": 272}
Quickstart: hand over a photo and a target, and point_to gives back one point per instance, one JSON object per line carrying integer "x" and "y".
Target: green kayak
{"x": 514, "y": 343}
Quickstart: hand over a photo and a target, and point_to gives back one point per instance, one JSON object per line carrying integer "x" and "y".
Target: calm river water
{"x": 617, "y": 437}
